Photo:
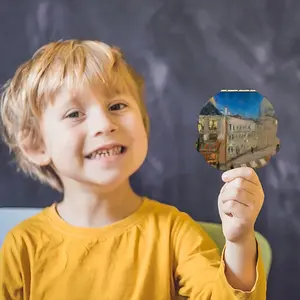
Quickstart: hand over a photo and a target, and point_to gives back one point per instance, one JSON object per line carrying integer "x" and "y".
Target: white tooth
{"x": 116, "y": 150}
{"x": 105, "y": 153}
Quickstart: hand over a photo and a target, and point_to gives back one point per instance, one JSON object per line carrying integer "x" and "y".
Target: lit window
{"x": 213, "y": 124}
{"x": 201, "y": 124}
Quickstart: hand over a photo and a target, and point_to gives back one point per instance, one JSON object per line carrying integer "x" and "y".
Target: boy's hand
{"x": 240, "y": 201}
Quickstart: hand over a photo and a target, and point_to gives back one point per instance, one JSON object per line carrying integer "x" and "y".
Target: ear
{"x": 35, "y": 151}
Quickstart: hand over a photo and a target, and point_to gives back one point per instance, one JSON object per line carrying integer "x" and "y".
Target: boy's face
{"x": 94, "y": 137}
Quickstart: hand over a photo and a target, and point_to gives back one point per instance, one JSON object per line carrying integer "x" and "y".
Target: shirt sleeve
{"x": 11, "y": 275}
{"x": 199, "y": 269}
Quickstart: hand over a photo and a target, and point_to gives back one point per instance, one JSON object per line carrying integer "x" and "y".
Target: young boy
{"x": 75, "y": 119}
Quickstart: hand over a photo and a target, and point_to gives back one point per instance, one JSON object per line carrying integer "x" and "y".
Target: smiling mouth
{"x": 114, "y": 151}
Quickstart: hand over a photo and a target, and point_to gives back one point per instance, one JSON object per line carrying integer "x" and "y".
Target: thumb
{"x": 223, "y": 187}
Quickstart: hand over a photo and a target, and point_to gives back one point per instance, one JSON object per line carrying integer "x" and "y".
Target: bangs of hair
{"x": 73, "y": 64}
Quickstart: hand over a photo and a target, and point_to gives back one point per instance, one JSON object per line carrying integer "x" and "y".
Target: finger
{"x": 238, "y": 195}
{"x": 223, "y": 188}
{"x": 235, "y": 209}
{"x": 243, "y": 184}
{"x": 243, "y": 172}
{"x": 238, "y": 183}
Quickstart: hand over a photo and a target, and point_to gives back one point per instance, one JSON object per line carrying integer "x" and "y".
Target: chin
{"x": 109, "y": 185}
{"x": 108, "y": 180}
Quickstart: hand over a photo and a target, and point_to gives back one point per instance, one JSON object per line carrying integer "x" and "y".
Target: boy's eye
{"x": 74, "y": 114}
{"x": 118, "y": 106}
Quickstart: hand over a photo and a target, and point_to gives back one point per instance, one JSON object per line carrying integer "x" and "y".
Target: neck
{"x": 95, "y": 208}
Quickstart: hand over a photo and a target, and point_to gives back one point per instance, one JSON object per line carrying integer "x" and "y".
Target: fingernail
{"x": 224, "y": 176}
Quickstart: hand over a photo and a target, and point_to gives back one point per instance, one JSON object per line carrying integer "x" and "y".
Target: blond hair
{"x": 63, "y": 64}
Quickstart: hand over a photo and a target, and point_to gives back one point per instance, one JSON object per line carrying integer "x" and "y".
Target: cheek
{"x": 136, "y": 128}
{"x": 62, "y": 142}
{"x": 134, "y": 123}
{"x": 140, "y": 137}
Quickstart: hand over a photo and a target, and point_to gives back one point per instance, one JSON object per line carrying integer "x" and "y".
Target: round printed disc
{"x": 237, "y": 128}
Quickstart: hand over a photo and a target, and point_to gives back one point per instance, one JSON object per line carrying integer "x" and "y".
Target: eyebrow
{"x": 65, "y": 101}
{"x": 122, "y": 95}
{"x": 75, "y": 99}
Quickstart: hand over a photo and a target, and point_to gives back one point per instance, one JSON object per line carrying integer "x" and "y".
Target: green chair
{"x": 215, "y": 232}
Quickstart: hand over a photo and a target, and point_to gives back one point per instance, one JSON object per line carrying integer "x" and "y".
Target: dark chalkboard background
{"x": 187, "y": 51}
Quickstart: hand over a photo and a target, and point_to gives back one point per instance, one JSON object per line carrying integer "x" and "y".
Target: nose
{"x": 100, "y": 122}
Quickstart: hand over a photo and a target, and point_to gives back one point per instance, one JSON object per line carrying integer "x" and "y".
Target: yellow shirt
{"x": 146, "y": 256}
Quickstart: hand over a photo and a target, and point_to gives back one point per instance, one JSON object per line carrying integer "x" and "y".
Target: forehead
{"x": 88, "y": 94}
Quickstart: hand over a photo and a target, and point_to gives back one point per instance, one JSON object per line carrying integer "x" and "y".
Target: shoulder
{"x": 162, "y": 210}
{"x": 160, "y": 207}
{"x": 169, "y": 213}
{"x": 26, "y": 232}
{"x": 183, "y": 229}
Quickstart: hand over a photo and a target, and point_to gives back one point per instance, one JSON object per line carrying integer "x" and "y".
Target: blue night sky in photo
{"x": 244, "y": 104}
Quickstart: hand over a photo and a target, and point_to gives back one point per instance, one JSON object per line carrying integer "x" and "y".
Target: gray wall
{"x": 187, "y": 51}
